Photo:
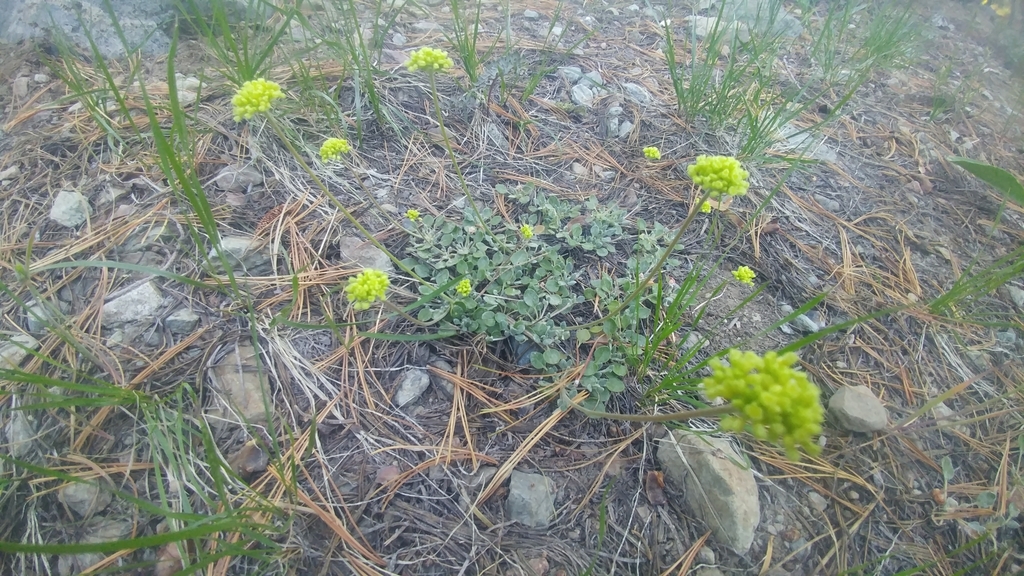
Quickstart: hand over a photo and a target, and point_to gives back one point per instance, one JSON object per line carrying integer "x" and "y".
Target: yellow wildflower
{"x": 526, "y": 230}
{"x": 412, "y": 214}
{"x": 744, "y": 275}
{"x": 652, "y": 153}
{"x": 706, "y": 207}
{"x": 253, "y": 97}
{"x": 333, "y": 148}
{"x": 429, "y": 59}
{"x": 463, "y": 288}
{"x": 366, "y": 288}
{"x": 719, "y": 175}
{"x": 775, "y": 401}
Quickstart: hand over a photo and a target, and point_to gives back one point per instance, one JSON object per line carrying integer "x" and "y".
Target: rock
{"x": 99, "y": 530}
{"x": 693, "y": 340}
{"x": 980, "y": 359}
{"x": 817, "y": 501}
{"x": 708, "y": 571}
{"x": 136, "y": 306}
{"x": 636, "y": 93}
{"x": 242, "y": 390}
{"x": 10, "y": 173}
{"x": 21, "y": 430}
{"x": 828, "y": 203}
{"x": 20, "y": 88}
{"x": 398, "y": 39}
{"x": 755, "y": 14}
{"x": 38, "y": 316}
{"x": 716, "y": 489}
{"x": 439, "y": 381}
{"x": 531, "y": 499}
{"x": 625, "y": 127}
{"x": 1007, "y": 337}
{"x": 241, "y": 252}
{"x": 13, "y": 351}
{"x": 182, "y": 321}
{"x": 414, "y": 383}
{"x": 69, "y": 209}
{"x": 234, "y": 178}
{"x": 804, "y": 324}
{"x": 249, "y": 461}
{"x": 582, "y": 95}
{"x": 593, "y": 80}
{"x": 40, "y": 78}
{"x": 856, "y": 409}
{"x": 531, "y": 14}
{"x": 426, "y": 26}
{"x": 1016, "y": 295}
{"x": 85, "y": 498}
{"x": 364, "y": 254}
{"x": 705, "y": 555}
{"x": 570, "y": 74}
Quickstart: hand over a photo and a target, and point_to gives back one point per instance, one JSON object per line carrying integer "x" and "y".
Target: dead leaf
{"x": 124, "y": 211}
{"x": 539, "y": 566}
{"x": 168, "y": 560}
{"x": 249, "y": 461}
{"x": 235, "y": 199}
{"x": 387, "y": 474}
{"x": 655, "y": 485}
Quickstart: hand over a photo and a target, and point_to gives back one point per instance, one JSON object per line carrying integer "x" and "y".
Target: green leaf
{"x": 985, "y": 499}
{"x": 947, "y": 469}
{"x": 619, "y": 370}
{"x": 614, "y": 385}
{"x": 530, "y": 298}
{"x": 552, "y": 356}
{"x": 582, "y": 335}
{"x": 994, "y": 176}
{"x": 519, "y": 258}
{"x": 537, "y": 360}
{"x": 602, "y": 355}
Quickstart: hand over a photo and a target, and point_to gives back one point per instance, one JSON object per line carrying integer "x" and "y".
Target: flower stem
{"x": 672, "y": 417}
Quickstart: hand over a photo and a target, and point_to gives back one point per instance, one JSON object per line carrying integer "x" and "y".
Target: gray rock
{"x": 441, "y": 382}
{"x": 828, "y": 203}
{"x": 135, "y": 306}
{"x": 531, "y": 499}
{"x": 856, "y": 409}
{"x": 85, "y": 498}
{"x": 21, "y": 430}
{"x": 1007, "y": 337}
{"x": 426, "y": 26}
{"x": 10, "y": 173}
{"x": 1017, "y": 295}
{"x": 636, "y": 93}
{"x": 242, "y": 390}
{"x": 693, "y": 340}
{"x": 817, "y": 501}
{"x": 40, "y": 78}
{"x": 98, "y": 531}
{"x": 570, "y": 74}
{"x": 706, "y": 555}
{"x": 182, "y": 321}
{"x": 69, "y": 208}
{"x": 625, "y": 127}
{"x": 716, "y": 488}
{"x": 243, "y": 253}
{"x": 234, "y": 178}
{"x": 38, "y": 315}
{"x": 414, "y": 383}
{"x": 399, "y": 39}
{"x": 13, "y": 351}
{"x": 804, "y": 324}
{"x": 531, "y": 14}
{"x": 756, "y": 15}
{"x": 593, "y": 80}
{"x": 20, "y": 87}
{"x": 582, "y": 95}
{"x": 364, "y": 254}
{"x": 980, "y": 359}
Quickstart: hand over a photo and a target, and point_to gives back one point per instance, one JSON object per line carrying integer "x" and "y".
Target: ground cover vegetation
{"x": 584, "y": 229}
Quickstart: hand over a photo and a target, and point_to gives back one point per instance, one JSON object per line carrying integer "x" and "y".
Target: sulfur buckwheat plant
{"x": 333, "y": 148}
{"x": 719, "y": 175}
{"x": 429, "y": 60}
{"x": 744, "y": 275}
{"x": 366, "y": 288}
{"x": 255, "y": 97}
{"x": 652, "y": 153}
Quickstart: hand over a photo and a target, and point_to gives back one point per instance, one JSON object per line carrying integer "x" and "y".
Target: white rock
{"x": 399, "y": 39}
{"x": 716, "y": 489}
{"x": 440, "y": 381}
{"x": 242, "y": 391}
{"x": 1017, "y": 295}
{"x": 139, "y": 305}
{"x": 817, "y": 501}
{"x": 531, "y": 499}
{"x": 20, "y": 88}
{"x": 243, "y": 254}
{"x": 20, "y": 430}
{"x": 69, "y": 208}
{"x": 625, "y": 127}
{"x": 40, "y": 78}
{"x": 234, "y": 178}
{"x": 10, "y": 173}
{"x": 15, "y": 350}
{"x": 182, "y": 321}
{"x": 593, "y": 79}
{"x": 531, "y": 14}
{"x": 38, "y": 315}
{"x": 857, "y": 409}
{"x": 364, "y": 254}
{"x": 570, "y": 74}
{"x": 582, "y": 95}
{"x": 414, "y": 384}
{"x": 636, "y": 93}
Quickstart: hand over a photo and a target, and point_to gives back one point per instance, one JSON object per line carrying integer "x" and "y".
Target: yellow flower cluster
{"x": 745, "y": 275}
{"x": 333, "y": 148}
{"x": 706, "y": 207}
{"x": 366, "y": 288}
{"x": 253, "y": 97}
{"x": 775, "y": 401}
{"x": 463, "y": 288}
{"x": 1002, "y": 10}
{"x": 429, "y": 59}
{"x": 652, "y": 153}
{"x": 719, "y": 175}
{"x": 526, "y": 230}
{"x": 412, "y": 214}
